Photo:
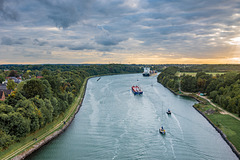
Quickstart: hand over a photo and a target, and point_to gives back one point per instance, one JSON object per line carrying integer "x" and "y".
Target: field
{"x": 194, "y": 73}
{"x": 229, "y": 126}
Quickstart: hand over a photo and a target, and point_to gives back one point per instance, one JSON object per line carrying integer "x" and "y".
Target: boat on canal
{"x": 168, "y": 112}
{"x": 162, "y": 130}
{"x": 148, "y": 72}
{"x": 136, "y": 90}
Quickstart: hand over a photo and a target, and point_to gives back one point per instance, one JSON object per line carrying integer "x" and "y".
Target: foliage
{"x": 11, "y": 84}
{"x": 5, "y": 139}
{"x": 223, "y": 89}
{"x": 188, "y": 83}
{"x": 2, "y": 79}
{"x": 37, "y": 102}
{"x": 13, "y": 74}
{"x": 168, "y": 78}
{"x": 210, "y": 68}
{"x": 32, "y": 88}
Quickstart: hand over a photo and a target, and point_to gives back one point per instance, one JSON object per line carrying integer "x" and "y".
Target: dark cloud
{"x": 10, "y": 41}
{"x": 39, "y": 43}
{"x": 184, "y": 28}
{"x": 6, "y": 12}
{"x": 65, "y": 13}
{"x": 109, "y": 40}
{"x": 87, "y": 46}
{"x": 81, "y": 47}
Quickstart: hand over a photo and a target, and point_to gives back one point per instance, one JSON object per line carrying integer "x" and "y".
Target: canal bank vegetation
{"x": 179, "y": 74}
{"x": 37, "y": 102}
{"x": 43, "y": 99}
{"x": 222, "y": 89}
{"x": 169, "y": 79}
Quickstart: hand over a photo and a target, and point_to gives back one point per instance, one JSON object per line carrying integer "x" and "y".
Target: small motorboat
{"x": 162, "y": 131}
{"x": 168, "y": 112}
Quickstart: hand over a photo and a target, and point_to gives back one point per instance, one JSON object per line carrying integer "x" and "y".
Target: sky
{"x": 119, "y": 31}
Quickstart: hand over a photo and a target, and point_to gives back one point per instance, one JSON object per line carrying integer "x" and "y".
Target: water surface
{"x": 114, "y": 124}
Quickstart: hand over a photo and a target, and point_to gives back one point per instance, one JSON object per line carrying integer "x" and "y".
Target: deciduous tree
{"x": 11, "y": 84}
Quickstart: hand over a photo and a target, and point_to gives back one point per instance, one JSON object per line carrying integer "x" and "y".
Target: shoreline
{"x": 54, "y": 135}
{"x": 233, "y": 148}
{"x": 222, "y": 134}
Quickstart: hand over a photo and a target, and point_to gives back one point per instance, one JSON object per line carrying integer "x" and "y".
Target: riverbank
{"x": 42, "y": 139}
{"x": 225, "y": 125}
{"x": 36, "y": 140}
{"x": 208, "y": 115}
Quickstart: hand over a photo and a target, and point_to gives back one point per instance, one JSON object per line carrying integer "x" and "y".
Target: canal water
{"x": 114, "y": 124}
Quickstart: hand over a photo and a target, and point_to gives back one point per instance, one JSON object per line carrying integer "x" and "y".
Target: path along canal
{"x": 114, "y": 124}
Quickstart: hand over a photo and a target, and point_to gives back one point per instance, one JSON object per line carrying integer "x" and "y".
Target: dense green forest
{"x": 222, "y": 89}
{"x": 168, "y": 78}
{"x": 35, "y": 102}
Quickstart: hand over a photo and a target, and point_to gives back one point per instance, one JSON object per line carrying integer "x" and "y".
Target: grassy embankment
{"x": 227, "y": 124}
{"x": 59, "y": 120}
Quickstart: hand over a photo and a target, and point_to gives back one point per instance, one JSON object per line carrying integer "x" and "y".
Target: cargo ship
{"x": 147, "y": 72}
{"x": 136, "y": 90}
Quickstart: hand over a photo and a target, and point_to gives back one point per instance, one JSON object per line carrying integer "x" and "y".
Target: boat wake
{"x": 178, "y": 123}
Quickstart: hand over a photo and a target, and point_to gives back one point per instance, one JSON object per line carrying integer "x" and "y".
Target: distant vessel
{"x": 147, "y": 72}
{"x": 136, "y": 90}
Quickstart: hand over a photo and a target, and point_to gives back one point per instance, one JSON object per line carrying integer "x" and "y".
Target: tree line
{"x": 210, "y": 68}
{"x": 223, "y": 89}
{"x": 168, "y": 78}
{"x": 36, "y": 102}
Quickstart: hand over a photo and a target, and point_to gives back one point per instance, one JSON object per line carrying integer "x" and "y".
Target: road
{"x": 223, "y": 111}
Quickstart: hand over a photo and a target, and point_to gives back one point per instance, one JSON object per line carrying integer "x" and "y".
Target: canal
{"x": 114, "y": 124}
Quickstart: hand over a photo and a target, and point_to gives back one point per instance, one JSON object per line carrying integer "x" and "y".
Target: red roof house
{"x": 2, "y": 96}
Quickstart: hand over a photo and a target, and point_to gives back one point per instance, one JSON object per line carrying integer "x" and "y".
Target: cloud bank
{"x": 126, "y": 31}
